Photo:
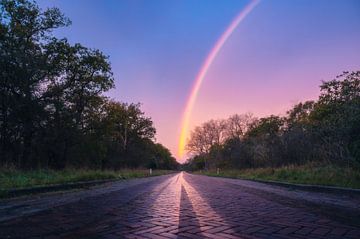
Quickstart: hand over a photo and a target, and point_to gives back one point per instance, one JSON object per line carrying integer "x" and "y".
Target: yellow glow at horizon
{"x": 184, "y": 134}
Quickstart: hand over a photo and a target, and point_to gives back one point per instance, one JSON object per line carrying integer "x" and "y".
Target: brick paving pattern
{"x": 178, "y": 206}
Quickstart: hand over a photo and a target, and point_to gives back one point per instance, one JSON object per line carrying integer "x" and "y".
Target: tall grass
{"x": 329, "y": 175}
{"x": 11, "y": 178}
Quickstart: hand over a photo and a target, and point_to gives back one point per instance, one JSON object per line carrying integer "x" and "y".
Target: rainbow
{"x": 202, "y": 73}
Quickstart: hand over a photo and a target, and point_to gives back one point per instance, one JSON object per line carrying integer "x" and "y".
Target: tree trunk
{"x": 26, "y": 155}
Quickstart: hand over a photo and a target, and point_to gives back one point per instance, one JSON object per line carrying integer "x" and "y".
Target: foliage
{"x": 53, "y": 112}
{"x": 326, "y": 131}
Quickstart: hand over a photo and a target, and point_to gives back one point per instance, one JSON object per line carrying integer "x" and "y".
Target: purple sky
{"x": 277, "y": 56}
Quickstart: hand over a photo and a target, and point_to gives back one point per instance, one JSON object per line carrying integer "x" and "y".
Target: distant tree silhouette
{"x": 326, "y": 131}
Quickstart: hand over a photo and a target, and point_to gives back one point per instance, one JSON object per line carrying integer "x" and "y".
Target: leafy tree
{"x": 337, "y": 116}
{"x": 298, "y": 116}
{"x": 128, "y": 123}
{"x": 162, "y": 158}
{"x": 26, "y": 69}
{"x": 266, "y": 127}
{"x": 52, "y": 109}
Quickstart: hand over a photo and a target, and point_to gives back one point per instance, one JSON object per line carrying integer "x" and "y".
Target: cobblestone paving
{"x": 178, "y": 206}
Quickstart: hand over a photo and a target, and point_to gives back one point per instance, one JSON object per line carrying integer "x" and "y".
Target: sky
{"x": 277, "y": 56}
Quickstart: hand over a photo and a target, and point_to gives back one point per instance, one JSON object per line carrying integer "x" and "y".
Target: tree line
{"x": 326, "y": 130}
{"x": 53, "y": 112}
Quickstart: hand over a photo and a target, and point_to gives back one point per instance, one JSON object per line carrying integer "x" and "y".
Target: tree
{"x": 237, "y": 125}
{"x": 336, "y": 116}
{"x": 266, "y": 127}
{"x": 88, "y": 74}
{"x": 298, "y": 116}
{"x": 26, "y": 69}
{"x": 207, "y": 135}
{"x": 344, "y": 89}
{"x": 162, "y": 158}
{"x": 73, "y": 96}
{"x": 53, "y": 112}
{"x": 128, "y": 123}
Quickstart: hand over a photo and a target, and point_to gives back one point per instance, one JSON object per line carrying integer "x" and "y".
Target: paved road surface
{"x": 183, "y": 206}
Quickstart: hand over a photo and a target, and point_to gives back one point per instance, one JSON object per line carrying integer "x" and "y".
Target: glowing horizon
{"x": 276, "y": 57}
{"x": 203, "y": 71}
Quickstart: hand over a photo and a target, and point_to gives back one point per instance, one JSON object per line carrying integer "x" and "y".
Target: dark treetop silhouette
{"x": 53, "y": 112}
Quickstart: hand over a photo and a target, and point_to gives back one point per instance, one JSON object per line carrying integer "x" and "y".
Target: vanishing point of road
{"x": 183, "y": 205}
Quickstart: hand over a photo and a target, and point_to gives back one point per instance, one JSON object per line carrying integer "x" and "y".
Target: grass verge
{"x": 306, "y": 174}
{"x": 15, "y": 179}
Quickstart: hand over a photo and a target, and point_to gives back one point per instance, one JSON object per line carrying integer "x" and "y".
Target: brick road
{"x": 180, "y": 206}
